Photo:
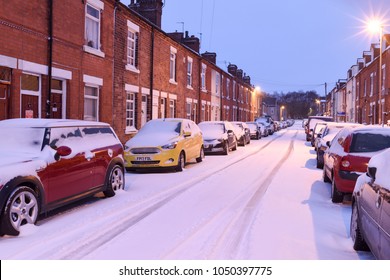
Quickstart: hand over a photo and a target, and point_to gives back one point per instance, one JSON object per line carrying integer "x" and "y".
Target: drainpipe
{"x": 199, "y": 89}
{"x": 50, "y": 58}
{"x": 151, "y": 72}
{"x": 113, "y": 69}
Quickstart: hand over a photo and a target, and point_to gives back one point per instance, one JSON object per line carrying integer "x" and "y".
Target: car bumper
{"x": 213, "y": 148}
{"x": 346, "y": 181}
{"x": 167, "y": 158}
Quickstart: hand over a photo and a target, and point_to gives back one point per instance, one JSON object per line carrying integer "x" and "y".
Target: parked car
{"x": 311, "y": 122}
{"x": 268, "y": 127}
{"x": 255, "y": 130}
{"x": 327, "y": 134}
{"x": 370, "y": 219}
{"x": 268, "y": 123}
{"x": 218, "y": 137}
{"x": 47, "y": 163}
{"x": 348, "y": 155}
{"x": 164, "y": 143}
{"x": 317, "y": 128}
{"x": 242, "y": 132}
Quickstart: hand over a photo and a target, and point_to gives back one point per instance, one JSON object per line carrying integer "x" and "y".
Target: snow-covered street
{"x": 263, "y": 201}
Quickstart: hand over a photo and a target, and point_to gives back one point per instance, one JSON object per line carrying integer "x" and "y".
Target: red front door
{"x": 3, "y": 102}
{"x": 30, "y": 106}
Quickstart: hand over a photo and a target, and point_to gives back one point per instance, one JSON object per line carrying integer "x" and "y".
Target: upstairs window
{"x": 92, "y": 27}
{"x": 132, "y": 46}
{"x": 203, "y": 77}
{"x": 189, "y": 72}
{"x": 172, "y": 66}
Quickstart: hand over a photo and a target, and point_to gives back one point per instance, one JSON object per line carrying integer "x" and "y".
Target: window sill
{"x": 93, "y": 51}
{"x": 190, "y": 87}
{"x": 172, "y": 82}
{"x": 132, "y": 68}
{"x": 131, "y": 130}
{"x": 204, "y": 90}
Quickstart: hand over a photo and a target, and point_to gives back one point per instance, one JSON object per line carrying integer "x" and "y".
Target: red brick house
{"x": 101, "y": 60}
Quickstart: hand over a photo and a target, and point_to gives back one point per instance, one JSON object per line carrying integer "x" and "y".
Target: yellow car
{"x": 164, "y": 143}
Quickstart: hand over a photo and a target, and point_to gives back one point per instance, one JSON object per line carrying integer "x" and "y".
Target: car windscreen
{"x": 369, "y": 142}
{"x": 170, "y": 127}
{"x": 21, "y": 139}
{"x": 212, "y": 130}
{"x": 252, "y": 126}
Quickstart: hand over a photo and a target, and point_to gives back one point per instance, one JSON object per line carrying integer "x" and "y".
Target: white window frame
{"x": 131, "y": 52}
{"x": 99, "y": 6}
{"x": 63, "y": 95}
{"x": 172, "y": 65}
{"x": 130, "y": 119}
{"x": 203, "y": 78}
{"x": 371, "y": 84}
{"x": 217, "y": 83}
{"x": 189, "y": 72}
{"x": 188, "y": 108}
{"x": 383, "y": 78}
{"x": 172, "y": 108}
{"x": 90, "y": 97}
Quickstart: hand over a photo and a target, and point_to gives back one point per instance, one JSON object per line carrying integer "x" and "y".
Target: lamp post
{"x": 281, "y": 113}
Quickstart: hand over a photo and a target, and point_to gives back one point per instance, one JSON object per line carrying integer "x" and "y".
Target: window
{"x": 130, "y": 111}
{"x": 234, "y": 91}
{"x": 383, "y": 76}
{"x": 194, "y": 112}
{"x": 203, "y": 112}
{"x": 91, "y": 103}
{"x": 203, "y": 77}
{"x": 189, "y": 72}
{"x": 172, "y": 108}
{"x": 217, "y": 82}
{"x": 163, "y": 102}
{"x": 92, "y": 27}
{"x": 365, "y": 88}
{"x": 371, "y": 84}
{"x": 132, "y": 46}
{"x": 188, "y": 110}
{"x": 227, "y": 88}
{"x": 172, "y": 66}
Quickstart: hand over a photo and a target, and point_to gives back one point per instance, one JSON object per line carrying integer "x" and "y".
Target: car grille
{"x": 145, "y": 162}
{"x": 138, "y": 151}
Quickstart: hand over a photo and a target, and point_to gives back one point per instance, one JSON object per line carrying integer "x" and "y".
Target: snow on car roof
{"x": 22, "y": 122}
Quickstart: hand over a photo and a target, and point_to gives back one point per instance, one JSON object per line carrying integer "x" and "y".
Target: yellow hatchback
{"x": 164, "y": 143}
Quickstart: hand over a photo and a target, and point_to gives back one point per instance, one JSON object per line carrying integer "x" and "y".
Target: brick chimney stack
{"x": 150, "y": 9}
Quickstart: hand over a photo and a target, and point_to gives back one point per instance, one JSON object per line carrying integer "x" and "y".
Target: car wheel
{"x": 337, "y": 197}
{"x": 22, "y": 207}
{"x": 358, "y": 242}
{"x": 243, "y": 141}
{"x": 258, "y": 136}
{"x": 235, "y": 145}
{"x": 319, "y": 165}
{"x": 201, "y": 155}
{"x": 325, "y": 177}
{"x": 115, "y": 181}
{"x": 226, "y": 148}
{"x": 181, "y": 162}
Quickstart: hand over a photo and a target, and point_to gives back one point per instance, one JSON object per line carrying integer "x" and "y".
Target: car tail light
{"x": 346, "y": 163}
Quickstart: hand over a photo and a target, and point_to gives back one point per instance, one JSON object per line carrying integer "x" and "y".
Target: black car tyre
{"x": 181, "y": 162}
{"x": 337, "y": 197}
{"x": 226, "y": 148}
{"x": 201, "y": 155}
{"x": 358, "y": 242}
{"x": 319, "y": 164}
{"x": 115, "y": 181}
{"x": 22, "y": 207}
{"x": 324, "y": 176}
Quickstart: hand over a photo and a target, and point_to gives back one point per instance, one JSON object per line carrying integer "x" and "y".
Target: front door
{"x": 30, "y": 106}
{"x": 56, "y": 105}
{"x": 3, "y": 102}
{"x": 144, "y": 107}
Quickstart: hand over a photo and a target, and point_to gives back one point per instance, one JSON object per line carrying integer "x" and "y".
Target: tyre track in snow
{"x": 227, "y": 243}
{"x": 58, "y": 247}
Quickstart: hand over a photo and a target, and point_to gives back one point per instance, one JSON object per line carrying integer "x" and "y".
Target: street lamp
{"x": 319, "y": 108}
{"x": 281, "y": 113}
{"x": 375, "y": 26}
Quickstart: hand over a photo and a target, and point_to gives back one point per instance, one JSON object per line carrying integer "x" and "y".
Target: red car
{"x": 48, "y": 163}
{"x": 348, "y": 156}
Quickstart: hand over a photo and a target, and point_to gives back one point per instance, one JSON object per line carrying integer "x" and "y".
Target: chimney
{"x": 247, "y": 79}
{"x": 386, "y": 40}
{"x": 210, "y": 56}
{"x": 192, "y": 42}
{"x": 150, "y": 9}
{"x": 232, "y": 69}
{"x": 239, "y": 73}
{"x": 177, "y": 36}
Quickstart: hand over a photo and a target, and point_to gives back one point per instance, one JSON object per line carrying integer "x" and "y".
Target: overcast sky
{"x": 283, "y": 45}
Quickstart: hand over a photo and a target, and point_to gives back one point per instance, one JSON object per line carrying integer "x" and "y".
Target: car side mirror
{"x": 62, "y": 151}
{"x": 328, "y": 143}
{"x": 371, "y": 172}
{"x": 187, "y": 134}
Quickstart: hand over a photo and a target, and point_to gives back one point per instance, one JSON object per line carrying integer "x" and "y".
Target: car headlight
{"x": 169, "y": 146}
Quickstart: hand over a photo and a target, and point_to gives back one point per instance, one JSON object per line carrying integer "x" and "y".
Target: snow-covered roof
{"x": 22, "y": 122}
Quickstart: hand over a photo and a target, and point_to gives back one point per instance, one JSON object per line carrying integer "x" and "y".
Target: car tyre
{"x": 115, "y": 181}
{"x": 201, "y": 155}
{"x": 358, "y": 242}
{"x": 319, "y": 164}
{"x": 325, "y": 177}
{"x": 337, "y": 197}
{"x": 226, "y": 148}
{"x": 181, "y": 162}
{"x": 22, "y": 207}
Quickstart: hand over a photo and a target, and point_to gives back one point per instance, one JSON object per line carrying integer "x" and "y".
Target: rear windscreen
{"x": 369, "y": 142}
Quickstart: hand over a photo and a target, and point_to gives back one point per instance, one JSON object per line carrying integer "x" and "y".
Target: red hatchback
{"x": 348, "y": 156}
{"x": 48, "y": 163}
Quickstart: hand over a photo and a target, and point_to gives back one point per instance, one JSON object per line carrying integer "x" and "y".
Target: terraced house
{"x": 101, "y": 60}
